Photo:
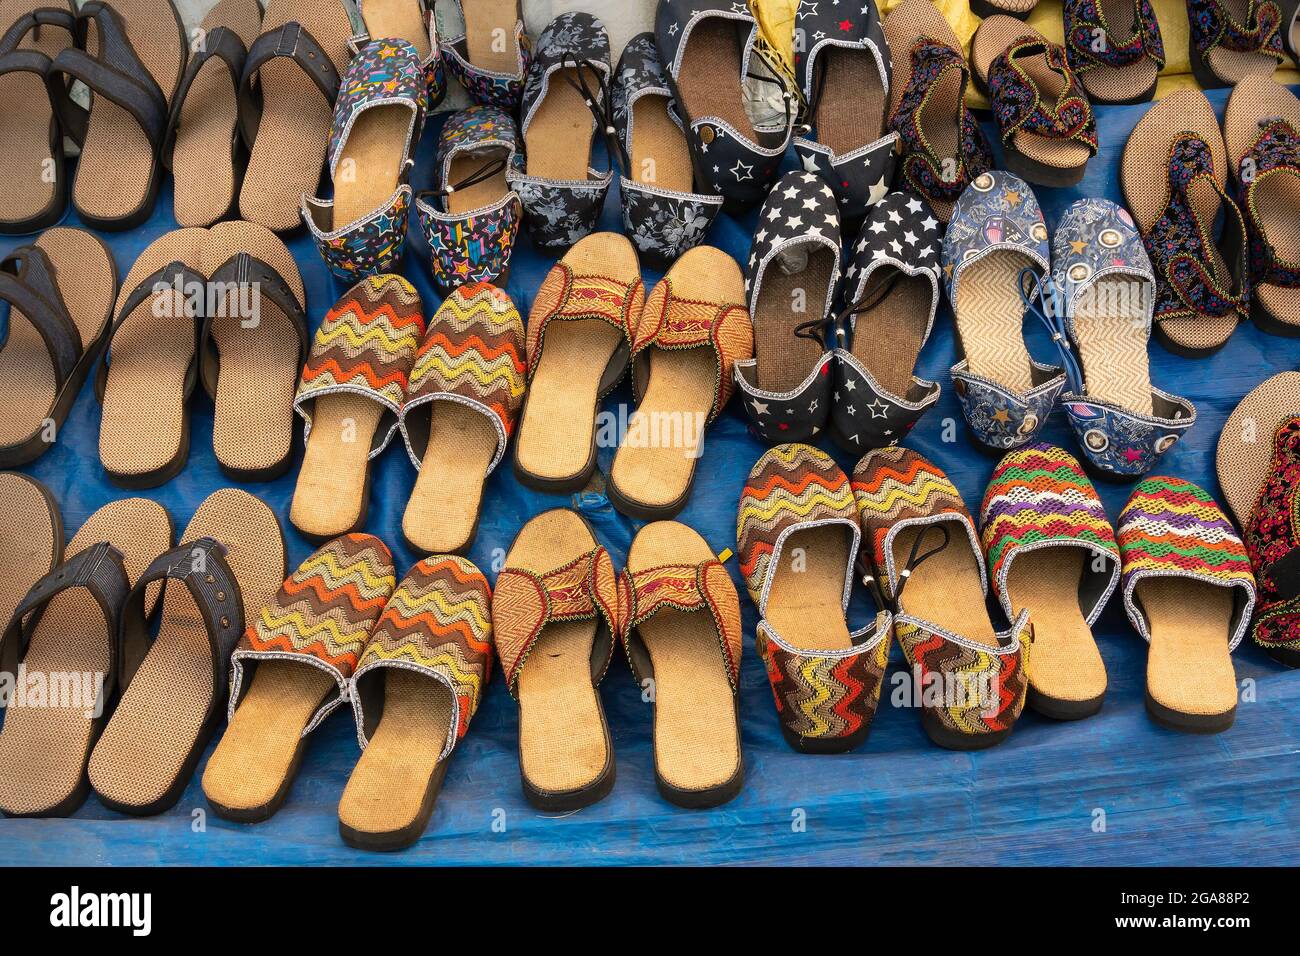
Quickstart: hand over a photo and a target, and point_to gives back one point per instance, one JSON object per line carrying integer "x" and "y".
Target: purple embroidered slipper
{"x": 1232, "y": 39}
{"x": 492, "y": 73}
{"x": 1123, "y": 66}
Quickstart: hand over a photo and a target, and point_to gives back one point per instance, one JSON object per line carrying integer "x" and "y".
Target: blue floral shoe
{"x": 844, "y": 76}
{"x": 471, "y": 219}
{"x": 996, "y": 246}
{"x": 361, "y": 230}
{"x": 491, "y": 74}
{"x": 662, "y": 213}
{"x": 1231, "y": 39}
{"x": 1105, "y": 290}
{"x": 1123, "y": 68}
{"x": 413, "y": 22}
{"x": 790, "y": 282}
{"x": 562, "y": 193}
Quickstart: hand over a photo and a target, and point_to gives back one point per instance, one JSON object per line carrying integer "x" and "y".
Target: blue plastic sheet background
{"x": 1114, "y": 789}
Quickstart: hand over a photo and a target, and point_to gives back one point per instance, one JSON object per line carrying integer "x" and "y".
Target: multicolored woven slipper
{"x": 681, "y": 630}
{"x": 290, "y": 671}
{"x": 416, "y": 24}
{"x": 465, "y": 392}
{"x": 997, "y": 231}
{"x": 1124, "y": 67}
{"x": 1041, "y": 515}
{"x": 1188, "y": 590}
{"x": 491, "y": 75}
{"x": 1231, "y": 40}
{"x": 928, "y": 568}
{"x": 361, "y": 230}
{"x": 413, "y": 694}
{"x": 470, "y": 220}
{"x": 350, "y": 397}
{"x": 797, "y": 536}
{"x": 558, "y": 595}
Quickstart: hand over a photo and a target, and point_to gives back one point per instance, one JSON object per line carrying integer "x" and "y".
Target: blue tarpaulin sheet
{"x": 1113, "y": 789}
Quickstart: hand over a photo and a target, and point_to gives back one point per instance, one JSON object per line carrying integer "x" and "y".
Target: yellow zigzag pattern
{"x": 294, "y": 624}
{"x": 779, "y": 501}
{"x": 470, "y": 363}
{"x": 359, "y": 333}
{"x": 336, "y": 575}
{"x": 445, "y": 607}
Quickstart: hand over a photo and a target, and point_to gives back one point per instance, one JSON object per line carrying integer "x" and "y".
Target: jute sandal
{"x": 1261, "y": 128}
{"x": 1051, "y": 551}
{"x": 996, "y": 241}
{"x": 558, "y": 597}
{"x": 464, "y": 396}
{"x": 1230, "y": 40}
{"x": 790, "y": 282}
{"x": 1244, "y": 457}
{"x": 891, "y": 297}
{"x": 682, "y": 634}
{"x": 413, "y": 695}
{"x": 36, "y": 193}
{"x": 350, "y": 396}
{"x": 414, "y": 23}
{"x": 226, "y": 569}
{"x": 1188, "y": 591}
{"x": 286, "y": 100}
{"x": 928, "y": 568}
{"x": 492, "y": 75}
{"x": 693, "y": 330}
{"x": 1124, "y": 67}
{"x": 149, "y": 366}
{"x": 1173, "y": 172}
{"x": 942, "y": 148}
{"x": 290, "y": 671}
{"x": 579, "y": 343}
{"x": 1048, "y": 130}
{"x": 135, "y": 51}
{"x": 826, "y": 680}
{"x": 27, "y": 557}
{"x": 59, "y": 293}
{"x": 68, "y": 625}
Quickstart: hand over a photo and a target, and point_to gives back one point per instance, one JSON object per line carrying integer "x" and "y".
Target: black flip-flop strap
{"x": 29, "y": 287}
{"x": 227, "y": 282}
{"x": 60, "y": 17}
{"x": 222, "y": 43}
{"x": 291, "y": 40}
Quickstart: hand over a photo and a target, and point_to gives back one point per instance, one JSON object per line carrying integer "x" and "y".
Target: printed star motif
{"x": 815, "y": 232}
{"x": 929, "y": 223}
{"x": 909, "y": 237}
{"x": 878, "y": 409}
{"x": 760, "y": 408}
{"x": 896, "y": 246}
{"x": 740, "y": 8}
{"x": 878, "y": 192}
{"x": 794, "y": 222}
{"x": 1132, "y": 455}
{"x": 672, "y": 29}
{"x": 812, "y": 407}
{"x": 850, "y": 385}
{"x": 1013, "y": 198}
{"x": 810, "y": 162}
{"x": 790, "y": 192}
{"x": 742, "y": 172}
{"x": 914, "y": 205}
{"x": 850, "y": 409}
{"x": 1001, "y": 416}
{"x": 810, "y": 203}
{"x": 845, "y": 25}
{"x": 877, "y": 226}
{"x": 810, "y": 11}
{"x": 1078, "y": 245}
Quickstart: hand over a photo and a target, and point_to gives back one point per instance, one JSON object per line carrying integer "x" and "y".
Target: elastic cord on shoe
{"x": 485, "y": 172}
{"x": 914, "y": 560}
{"x": 599, "y": 103}
{"x": 1039, "y": 295}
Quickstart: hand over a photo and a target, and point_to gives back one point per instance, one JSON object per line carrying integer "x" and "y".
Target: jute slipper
{"x": 1230, "y": 40}
{"x": 491, "y": 72}
{"x": 693, "y": 330}
{"x": 174, "y": 686}
{"x": 414, "y": 693}
{"x": 927, "y": 566}
{"x": 682, "y": 634}
{"x": 350, "y": 396}
{"x": 413, "y": 22}
{"x": 67, "y": 627}
{"x": 290, "y": 670}
{"x": 27, "y": 557}
{"x": 1124, "y": 67}
{"x": 797, "y": 536}
{"x": 59, "y": 293}
{"x": 1188, "y": 591}
{"x": 202, "y": 146}
{"x": 1173, "y": 172}
{"x": 579, "y": 341}
{"x": 1051, "y": 551}
{"x": 554, "y": 624}
{"x": 466, "y": 388}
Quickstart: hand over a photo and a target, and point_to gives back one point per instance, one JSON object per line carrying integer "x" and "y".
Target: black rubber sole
{"x": 254, "y": 475}
{"x": 552, "y": 801}
{"x": 1146, "y": 96}
{"x": 1056, "y": 709}
{"x": 1267, "y": 323}
{"x": 955, "y": 740}
{"x": 703, "y": 799}
{"x": 642, "y": 512}
{"x": 983, "y": 9}
{"x": 408, "y": 835}
{"x": 555, "y": 486}
{"x": 1189, "y": 723}
{"x": 183, "y": 778}
{"x": 826, "y": 745}
{"x": 1169, "y": 345}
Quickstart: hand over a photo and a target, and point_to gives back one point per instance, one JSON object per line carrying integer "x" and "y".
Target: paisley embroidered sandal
{"x": 1232, "y": 39}
{"x": 491, "y": 72}
{"x": 1124, "y": 66}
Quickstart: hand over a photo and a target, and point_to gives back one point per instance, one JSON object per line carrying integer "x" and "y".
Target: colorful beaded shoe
{"x": 470, "y": 220}
{"x": 362, "y": 229}
{"x": 491, "y": 75}
{"x": 844, "y": 76}
{"x": 1188, "y": 590}
{"x": 891, "y": 296}
{"x": 1105, "y": 290}
{"x": 1232, "y": 39}
{"x": 412, "y": 22}
{"x": 997, "y": 241}
{"x": 928, "y": 569}
{"x": 1123, "y": 67}
{"x": 790, "y": 281}
{"x": 663, "y": 215}
{"x": 797, "y": 536}
{"x": 1042, "y": 517}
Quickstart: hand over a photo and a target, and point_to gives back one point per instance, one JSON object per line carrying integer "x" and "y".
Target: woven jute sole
{"x": 371, "y": 163}
{"x": 708, "y": 83}
{"x": 169, "y": 710}
{"x": 784, "y": 359}
{"x": 36, "y": 547}
{"x": 805, "y": 603}
{"x": 696, "y": 731}
{"x": 1110, "y": 326}
{"x": 489, "y": 34}
{"x": 558, "y": 141}
{"x": 1245, "y": 450}
{"x": 442, "y": 515}
{"x": 399, "y": 20}
{"x": 851, "y": 111}
{"x": 1190, "y": 678}
{"x": 990, "y": 320}
{"x": 897, "y": 311}
{"x": 44, "y": 750}
{"x": 332, "y": 495}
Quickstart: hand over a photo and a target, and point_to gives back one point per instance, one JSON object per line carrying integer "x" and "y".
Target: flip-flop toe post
{"x": 1051, "y": 551}
{"x": 797, "y": 537}
{"x": 996, "y": 233}
{"x": 791, "y": 279}
{"x": 891, "y": 295}
{"x": 927, "y": 563}
{"x": 464, "y": 396}
{"x": 291, "y": 669}
{"x": 1271, "y": 542}
{"x": 555, "y": 620}
{"x": 1189, "y": 591}
{"x": 1123, "y": 68}
{"x": 1106, "y": 290}
{"x": 1230, "y": 40}
{"x": 491, "y": 75}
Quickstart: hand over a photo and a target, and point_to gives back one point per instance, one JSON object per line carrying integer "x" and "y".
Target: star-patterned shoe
{"x": 705, "y": 49}
{"x": 892, "y": 294}
{"x": 790, "y": 282}
{"x": 1106, "y": 291}
{"x": 844, "y": 76}
{"x": 492, "y": 73}
{"x": 413, "y": 22}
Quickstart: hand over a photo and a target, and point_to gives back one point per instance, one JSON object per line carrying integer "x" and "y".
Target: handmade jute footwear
{"x": 1124, "y": 68}
{"x": 1231, "y": 40}
{"x": 37, "y": 549}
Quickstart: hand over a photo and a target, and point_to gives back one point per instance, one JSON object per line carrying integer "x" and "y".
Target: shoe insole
{"x": 851, "y": 111}
{"x": 37, "y": 544}
{"x": 480, "y": 194}
{"x": 990, "y": 320}
{"x": 1111, "y": 83}
{"x": 370, "y": 163}
{"x": 898, "y": 314}
{"x": 1112, "y": 342}
{"x": 332, "y": 485}
{"x": 805, "y": 604}
{"x": 396, "y": 20}
{"x": 660, "y": 156}
{"x": 1189, "y": 666}
{"x": 709, "y": 81}
{"x": 442, "y": 515}
{"x": 786, "y": 301}
{"x": 1236, "y": 65}
{"x": 558, "y": 140}
{"x": 1245, "y": 454}
{"x": 490, "y": 35}
{"x": 945, "y": 588}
